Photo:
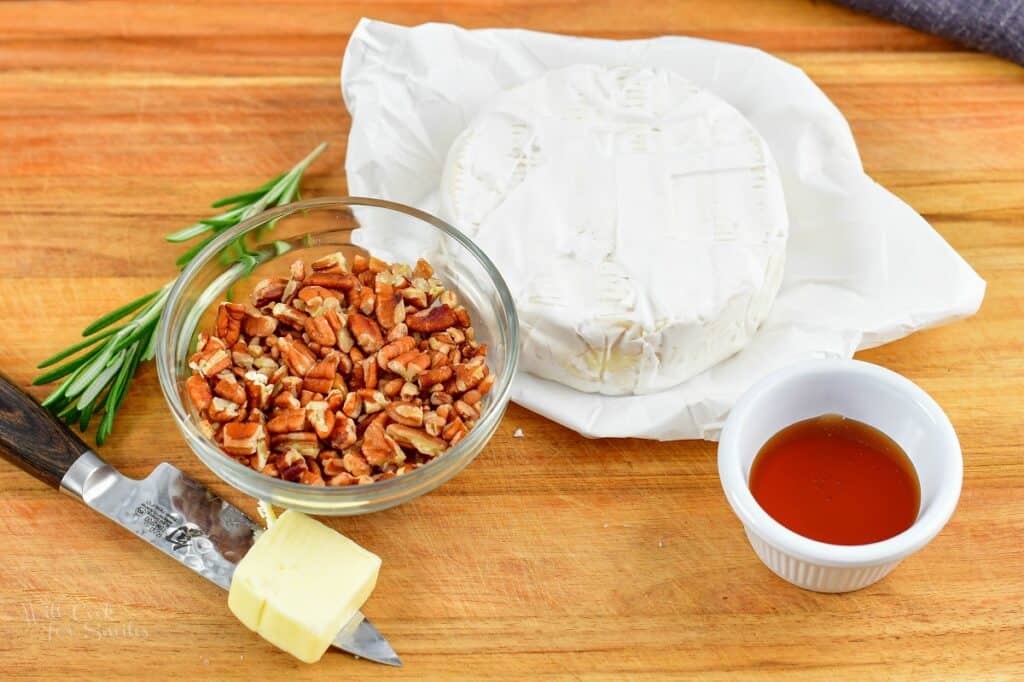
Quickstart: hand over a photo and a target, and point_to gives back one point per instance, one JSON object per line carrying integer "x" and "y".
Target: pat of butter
{"x": 300, "y": 583}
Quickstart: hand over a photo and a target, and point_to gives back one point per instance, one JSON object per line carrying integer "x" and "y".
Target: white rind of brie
{"x": 638, "y": 220}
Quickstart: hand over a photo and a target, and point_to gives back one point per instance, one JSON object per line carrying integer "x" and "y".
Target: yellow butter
{"x": 299, "y": 583}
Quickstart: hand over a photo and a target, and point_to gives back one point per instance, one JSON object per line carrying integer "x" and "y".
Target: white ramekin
{"x": 867, "y": 393}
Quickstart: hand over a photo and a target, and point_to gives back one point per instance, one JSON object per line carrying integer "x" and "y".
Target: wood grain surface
{"x": 552, "y": 555}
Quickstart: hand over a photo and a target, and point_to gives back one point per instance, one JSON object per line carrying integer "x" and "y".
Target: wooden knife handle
{"x": 33, "y": 439}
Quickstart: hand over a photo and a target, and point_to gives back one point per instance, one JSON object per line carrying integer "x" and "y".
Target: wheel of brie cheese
{"x": 638, "y": 220}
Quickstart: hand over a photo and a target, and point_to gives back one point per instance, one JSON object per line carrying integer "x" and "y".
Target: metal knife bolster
{"x": 184, "y": 520}
{"x": 89, "y": 474}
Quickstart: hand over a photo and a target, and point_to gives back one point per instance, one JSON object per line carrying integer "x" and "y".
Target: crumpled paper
{"x": 862, "y": 268}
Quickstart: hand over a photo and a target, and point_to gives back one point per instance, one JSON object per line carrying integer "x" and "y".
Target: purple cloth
{"x": 995, "y": 26}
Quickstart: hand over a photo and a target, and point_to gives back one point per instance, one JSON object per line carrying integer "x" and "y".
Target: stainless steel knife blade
{"x": 184, "y": 520}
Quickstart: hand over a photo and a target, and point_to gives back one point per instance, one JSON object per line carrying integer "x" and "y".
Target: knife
{"x": 167, "y": 509}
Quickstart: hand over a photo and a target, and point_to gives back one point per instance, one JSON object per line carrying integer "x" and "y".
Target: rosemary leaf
{"x": 90, "y": 371}
{"x": 86, "y": 415}
{"x": 115, "y": 396}
{"x": 71, "y": 350}
{"x": 187, "y": 233}
{"x": 69, "y": 414}
{"x": 66, "y": 368}
{"x": 184, "y": 258}
{"x": 96, "y": 386}
{"x": 118, "y": 313}
{"x": 219, "y": 222}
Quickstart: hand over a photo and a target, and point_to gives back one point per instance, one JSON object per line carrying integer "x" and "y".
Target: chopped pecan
{"x": 296, "y": 355}
{"x": 345, "y": 340}
{"x": 423, "y": 269}
{"x": 344, "y": 433}
{"x": 229, "y": 321}
{"x": 342, "y": 479}
{"x": 417, "y": 439}
{"x": 320, "y": 417}
{"x": 469, "y": 375}
{"x": 290, "y": 315}
{"x": 410, "y": 364}
{"x": 397, "y": 332}
{"x": 365, "y": 301}
{"x": 291, "y": 384}
{"x": 369, "y": 373}
{"x": 405, "y": 412}
{"x": 258, "y": 324}
{"x": 241, "y": 359}
{"x": 416, "y": 298}
{"x": 392, "y": 387}
{"x": 199, "y": 392}
{"x": 210, "y": 361}
{"x": 336, "y": 396}
{"x": 230, "y": 389}
{"x": 373, "y": 401}
{"x": 333, "y": 262}
{"x": 409, "y": 391}
{"x": 210, "y": 430}
{"x": 360, "y": 263}
{"x": 441, "y": 343}
{"x": 311, "y": 478}
{"x": 394, "y": 349}
{"x": 320, "y": 331}
{"x": 485, "y": 385}
{"x": 366, "y": 332}
{"x": 353, "y": 405}
{"x": 390, "y": 303}
{"x": 241, "y": 438}
{"x": 305, "y": 443}
{"x": 439, "y": 398}
{"x": 320, "y": 378}
{"x": 257, "y": 390}
{"x": 295, "y": 471}
{"x": 465, "y": 410}
{"x": 289, "y": 420}
{"x": 432, "y": 319}
{"x": 330, "y": 463}
{"x": 311, "y": 291}
{"x": 268, "y": 290}
{"x": 379, "y": 448}
{"x": 355, "y": 463}
{"x": 433, "y": 423}
{"x": 222, "y": 410}
{"x": 438, "y": 375}
{"x": 332, "y": 280}
{"x": 448, "y": 298}
{"x": 454, "y": 428}
{"x": 285, "y": 400}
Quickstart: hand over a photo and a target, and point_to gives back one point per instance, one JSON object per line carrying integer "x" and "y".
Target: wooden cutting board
{"x": 552, "y": 554}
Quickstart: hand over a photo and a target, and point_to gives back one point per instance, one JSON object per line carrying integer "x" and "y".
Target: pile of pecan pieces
{"x": 340, "y": 376}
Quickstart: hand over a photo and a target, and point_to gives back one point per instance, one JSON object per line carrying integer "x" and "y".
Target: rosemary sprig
{"x": 97, "y": 379}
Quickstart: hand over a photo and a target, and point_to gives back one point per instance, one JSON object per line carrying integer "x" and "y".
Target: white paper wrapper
{"x": 862, "y": 268}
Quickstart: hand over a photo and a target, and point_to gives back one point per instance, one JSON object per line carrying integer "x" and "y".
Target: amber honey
{"x": 836, "y": 480}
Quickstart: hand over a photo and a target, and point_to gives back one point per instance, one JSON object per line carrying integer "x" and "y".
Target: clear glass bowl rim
{"x": 265, "y": 487}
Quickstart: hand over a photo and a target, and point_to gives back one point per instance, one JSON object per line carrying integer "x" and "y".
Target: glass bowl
{"x": 310, "y": 229}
